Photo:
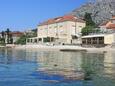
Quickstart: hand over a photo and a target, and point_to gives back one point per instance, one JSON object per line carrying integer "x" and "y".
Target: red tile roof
{"x": 111, "y": 26}
{"x": 108, "y": 24}
{"x": 17, "y": 34}
{"x": 62, "y": 19}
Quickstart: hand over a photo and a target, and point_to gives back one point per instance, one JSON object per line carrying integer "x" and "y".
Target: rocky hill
{"x": 101, "y": 10}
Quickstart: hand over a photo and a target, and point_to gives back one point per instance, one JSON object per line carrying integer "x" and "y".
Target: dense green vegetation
{"x": 23, "y": 38}
{"x": 88, "y": 19}
{"x": 90, "y": 25}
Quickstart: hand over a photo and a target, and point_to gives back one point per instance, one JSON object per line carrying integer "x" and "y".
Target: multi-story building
{"x": 60, "y": 30}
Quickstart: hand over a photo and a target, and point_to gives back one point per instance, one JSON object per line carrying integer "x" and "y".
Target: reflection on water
{"x": 32, "y": 68}
{"x": 109, "y": 64}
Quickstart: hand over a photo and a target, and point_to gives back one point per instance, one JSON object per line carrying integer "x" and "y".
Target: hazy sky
{"x": 25, "y": 14}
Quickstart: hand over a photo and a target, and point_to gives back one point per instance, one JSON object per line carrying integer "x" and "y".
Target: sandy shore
{"x": 66, "y": 47}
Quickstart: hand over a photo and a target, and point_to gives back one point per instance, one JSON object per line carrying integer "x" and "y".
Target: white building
{"x": 107, "y": 37}
{"x": 99, "y": 39}
{"x": 60, "y": 30}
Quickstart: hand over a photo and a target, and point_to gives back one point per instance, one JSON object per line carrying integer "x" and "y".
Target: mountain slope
{"x": 101, "y": 10}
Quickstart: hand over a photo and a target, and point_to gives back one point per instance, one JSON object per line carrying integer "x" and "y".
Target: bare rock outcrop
{"x": 101, "y": 10}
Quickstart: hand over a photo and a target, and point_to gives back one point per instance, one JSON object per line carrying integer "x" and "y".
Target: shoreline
{"x": 65, "y": 48}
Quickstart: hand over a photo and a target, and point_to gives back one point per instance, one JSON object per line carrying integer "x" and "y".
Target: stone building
{"x": 60, "y": 30}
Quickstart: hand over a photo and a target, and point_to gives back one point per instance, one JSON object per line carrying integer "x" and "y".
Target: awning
{"x": 92, "y": 36}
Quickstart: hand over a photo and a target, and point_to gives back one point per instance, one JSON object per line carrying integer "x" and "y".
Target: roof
{"x": 111, "y": 26}
{"x": 108, "y": 24}
{"x": 91, "y": 36}
{"x": 18, "y": 34}
{"x": 62, "y": 19}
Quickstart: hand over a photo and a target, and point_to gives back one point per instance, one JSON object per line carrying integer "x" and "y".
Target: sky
{"x": 21, "y": 15}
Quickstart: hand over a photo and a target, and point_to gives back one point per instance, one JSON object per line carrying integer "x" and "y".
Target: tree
{"x": 3, "y": 34}
{"x": 90, "y": 25}
{"x": 22, "y": 40}
{"x": 34, "y": 32}
{"x": 3, "y": 37}
{"x": 87, "y": 30}
{"x": 6, "y": 37}
{"x": 10, "y": 39}
{"x": 88, "y": 19}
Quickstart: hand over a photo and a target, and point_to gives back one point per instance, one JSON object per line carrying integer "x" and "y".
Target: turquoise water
{"x": 51, "y": 68}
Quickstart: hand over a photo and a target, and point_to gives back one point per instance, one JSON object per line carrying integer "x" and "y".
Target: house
{"x": 107, "y": 36}
{"x": 16, "y": 35}
{"x": 31, "y": 32}
{"x": 98, "y": 40}
{"x": 11, "y": 38}
{"x": 108, "y": 26}
{"x": 60, "y": 30}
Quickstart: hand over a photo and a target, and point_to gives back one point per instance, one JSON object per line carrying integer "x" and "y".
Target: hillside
{"x": 101, "y": 10}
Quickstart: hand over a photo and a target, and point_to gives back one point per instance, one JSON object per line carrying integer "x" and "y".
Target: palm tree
{"x": 3, "y": 34}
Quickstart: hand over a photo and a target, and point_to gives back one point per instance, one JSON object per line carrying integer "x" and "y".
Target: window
{"x": 46, "y": 39}
{"x": 73, "y": 25}
{"x": 31, "y": 40}
{"x": 80, "y": 26}
{"x": 35, "y": 40}
{"x": 28, "y": 40}
{"x": 61, "y": 26}
{"x": 40, "y": 39}
{"x": 55, "y": 26}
